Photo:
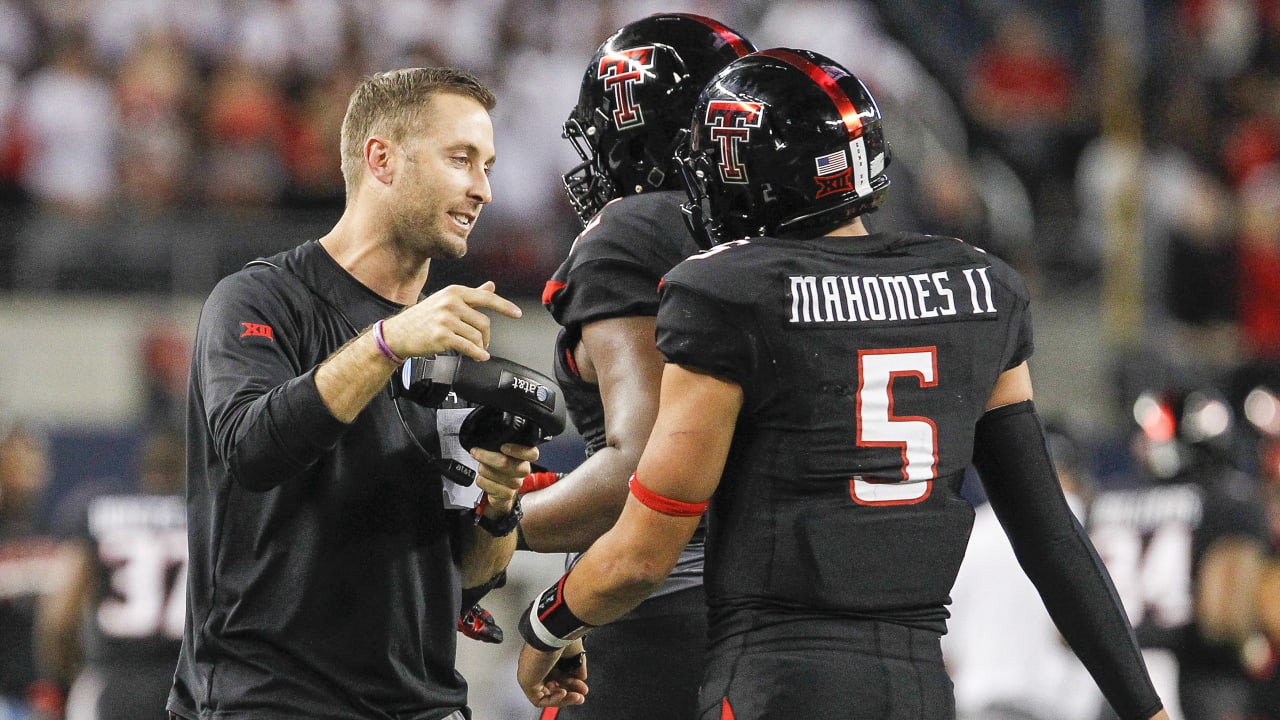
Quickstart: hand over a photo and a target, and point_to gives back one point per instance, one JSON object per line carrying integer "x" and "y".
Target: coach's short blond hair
{"x": 392, "y": 103}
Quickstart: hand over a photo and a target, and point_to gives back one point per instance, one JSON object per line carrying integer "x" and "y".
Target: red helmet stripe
{"x": 729, "y": 36}
{"x": 848, "y": 113}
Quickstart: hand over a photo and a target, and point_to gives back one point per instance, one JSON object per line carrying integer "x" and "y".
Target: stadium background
{"x": 1120, "y": 153}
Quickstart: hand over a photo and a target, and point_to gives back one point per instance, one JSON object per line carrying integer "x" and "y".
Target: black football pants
{"x": 831, "y": 669}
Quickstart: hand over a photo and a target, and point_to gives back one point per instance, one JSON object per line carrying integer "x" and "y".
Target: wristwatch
{"x": 504, "y": 525}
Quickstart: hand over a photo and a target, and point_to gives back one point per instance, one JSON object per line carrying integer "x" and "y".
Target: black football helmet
{"x": 1180, "y": 428}
{"x": 785, "y": 143}
{"x": 1261, "y": 407}
{"x": 636, "y": 99}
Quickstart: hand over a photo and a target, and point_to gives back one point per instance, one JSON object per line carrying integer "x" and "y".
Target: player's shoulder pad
{"x": 963, "y": 253}
{"x": 726, "y": 270}
{"x": 625, "y": 227}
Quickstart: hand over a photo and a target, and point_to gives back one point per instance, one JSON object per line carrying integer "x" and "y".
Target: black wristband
{"x": 571, "y": 663}
{"x": 504, "y": 525}
{"x": 549, "y": 624}
{"x": 472, "y": 595}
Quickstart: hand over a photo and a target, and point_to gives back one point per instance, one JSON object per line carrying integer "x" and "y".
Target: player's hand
{"x": 556, "y": 678}
{"x": 501, "y": 474}
{"x": 448, "y": 319}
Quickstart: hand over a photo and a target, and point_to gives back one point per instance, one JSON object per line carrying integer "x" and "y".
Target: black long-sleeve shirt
{"x": 324, "y": 562}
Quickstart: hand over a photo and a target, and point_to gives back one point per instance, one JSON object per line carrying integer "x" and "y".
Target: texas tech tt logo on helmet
{"x": 731, "y": 122}
{"x": 618, "y": 72}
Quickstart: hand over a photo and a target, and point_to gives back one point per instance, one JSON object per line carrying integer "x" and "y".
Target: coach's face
{"x": 443, "y": 179}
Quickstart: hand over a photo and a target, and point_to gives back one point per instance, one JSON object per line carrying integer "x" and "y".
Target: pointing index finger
{"x": 484, "y": 296}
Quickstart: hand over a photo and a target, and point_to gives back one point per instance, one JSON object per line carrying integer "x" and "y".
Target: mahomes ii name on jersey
{"x": 889, "y": 298}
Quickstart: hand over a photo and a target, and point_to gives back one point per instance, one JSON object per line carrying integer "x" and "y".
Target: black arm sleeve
{"x": 1013, "y": 460}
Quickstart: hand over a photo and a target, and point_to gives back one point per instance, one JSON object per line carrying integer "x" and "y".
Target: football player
{"x": 116, "y": 625}
{"x": 825, "y": 389}
{"x": 1186, "y": 548}
{"x": 636, "y": 99}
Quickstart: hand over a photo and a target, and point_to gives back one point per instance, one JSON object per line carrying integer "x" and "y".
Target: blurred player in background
{"x": 1262, "y": 410}
{"x": 827, "y": 388}
{"x": 636, "y": 99}
{"x": 1185, "y": 551}
{"x": 1265, "y": 703}
{"x": 31, "y": 568}
{"x": 115, "y": 627}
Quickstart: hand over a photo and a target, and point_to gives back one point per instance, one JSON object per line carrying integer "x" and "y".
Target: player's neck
{"x": 852, "y": 228}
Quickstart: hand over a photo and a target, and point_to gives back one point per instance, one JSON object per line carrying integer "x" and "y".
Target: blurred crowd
{"x": 153, "y": 145}
{"x": 1121, "y": 153}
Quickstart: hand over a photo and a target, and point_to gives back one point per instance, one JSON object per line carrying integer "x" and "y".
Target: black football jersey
{"x": 1152, "y": 540}
{"x": 613, "y": 270}
{"x": 865, "y": 363}
{"x": 138, "y": 543}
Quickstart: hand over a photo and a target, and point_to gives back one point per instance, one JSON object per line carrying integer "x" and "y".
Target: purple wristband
{"x": 383, "y": 347}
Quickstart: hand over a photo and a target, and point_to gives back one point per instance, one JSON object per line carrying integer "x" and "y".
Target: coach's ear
{"x": 380, "y": 159}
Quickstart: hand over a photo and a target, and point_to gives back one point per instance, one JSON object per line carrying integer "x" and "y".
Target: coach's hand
{"x": 448, "y": 319}
{"x": 501, "y": 474}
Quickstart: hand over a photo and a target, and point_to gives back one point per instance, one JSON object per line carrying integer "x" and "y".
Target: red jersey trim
{"x": 550, "y": 289}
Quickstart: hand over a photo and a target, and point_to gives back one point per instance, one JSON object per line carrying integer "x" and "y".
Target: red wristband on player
{"x": 537, "y": 481}
{"x": 662, "y": 504}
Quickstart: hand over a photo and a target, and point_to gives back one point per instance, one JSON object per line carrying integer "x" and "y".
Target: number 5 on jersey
{"x": 916, "y": 437}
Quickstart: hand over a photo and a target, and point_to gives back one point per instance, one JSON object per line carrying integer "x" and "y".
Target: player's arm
{"x": 1229, "y": 571}
{"x": 677, "y": 474}
{"x": 59, "y": 617}
{"x": 624, "y": 361}
{"x": 1012, "y": 458}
